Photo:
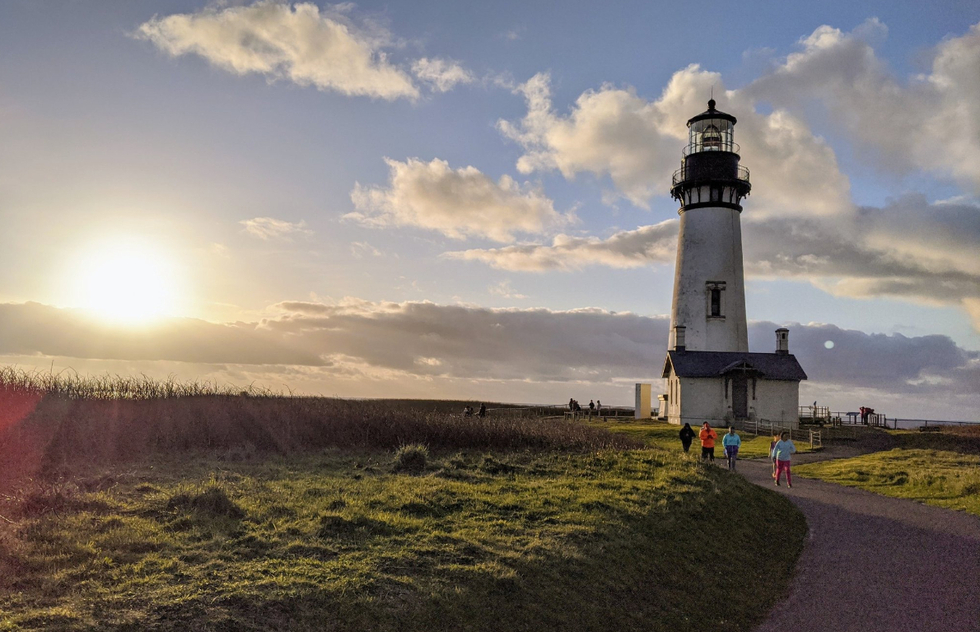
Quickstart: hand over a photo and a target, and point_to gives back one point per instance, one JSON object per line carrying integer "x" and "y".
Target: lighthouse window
{"x": 711, "y": 138}
{"x": 715, "y": 300}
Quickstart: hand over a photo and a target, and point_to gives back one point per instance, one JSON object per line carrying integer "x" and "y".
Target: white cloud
{"x": 454, "y": 202}
{"x": 637, "y": 143}
{"x": 930, "y": 122}
{"x": 360, "y": 249}
{"x": 282, "y": 41}
{"x": 626, "y": 249}
{"x": 504, "y": 290}
{"x": 441, "y": 74}
{"x": 272, "y": 228}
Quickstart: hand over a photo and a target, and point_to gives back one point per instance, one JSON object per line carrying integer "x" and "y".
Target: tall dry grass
{"x": 52, "y": 421}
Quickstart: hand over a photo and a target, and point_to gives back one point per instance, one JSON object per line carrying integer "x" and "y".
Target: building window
{"x": 753, "y": 388}
{"x": 716, "y": 302}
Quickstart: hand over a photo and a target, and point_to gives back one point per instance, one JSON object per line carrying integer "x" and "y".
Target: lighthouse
{"x": 710, "y": 373}
{"x": 709, "y": 290}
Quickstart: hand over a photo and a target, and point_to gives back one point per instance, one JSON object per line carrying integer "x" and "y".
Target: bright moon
{"x": 126, "y": 283}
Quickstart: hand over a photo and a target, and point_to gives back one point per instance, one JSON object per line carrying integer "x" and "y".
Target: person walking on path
{"x": 772, "y": 458}
{"x": 732, "y": 443}
{"x": 782, "y": 452}
{"x": 687, "y": 436}
{"x": 707, "y": 436}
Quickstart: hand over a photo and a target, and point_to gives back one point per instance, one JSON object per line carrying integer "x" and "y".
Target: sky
{"x": 471, "y": 200}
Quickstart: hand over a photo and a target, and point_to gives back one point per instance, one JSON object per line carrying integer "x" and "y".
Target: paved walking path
{"x": 873, "y": 563}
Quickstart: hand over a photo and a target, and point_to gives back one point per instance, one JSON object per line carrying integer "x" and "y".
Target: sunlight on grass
{"x": 664, "y": 435}
{"x": 935, "y": 477}
{"x": 350, "y": 542}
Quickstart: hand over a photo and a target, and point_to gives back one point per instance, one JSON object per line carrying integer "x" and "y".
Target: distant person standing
{"x": 483, "y": 410}
{"x": 571, "y": 403}
{"x": 598, "y": 407}
{"x": 591, "y": 408}
{"x": 782, "y": 452}
{"x": 687, "y": 436}
{"x": 732, "y": 443}
{"x": 707, "y": 436}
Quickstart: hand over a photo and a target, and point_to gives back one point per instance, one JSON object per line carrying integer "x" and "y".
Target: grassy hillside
{"x": 161, "y": 506}
{"x": 633, "y": 540}
{"x": 935, "y": 477}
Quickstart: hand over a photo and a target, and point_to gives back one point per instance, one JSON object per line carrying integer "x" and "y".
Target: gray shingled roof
{"x": 771, "y": 366}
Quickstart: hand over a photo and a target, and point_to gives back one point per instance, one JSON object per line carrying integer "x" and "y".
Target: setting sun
{"x": 128, "y": 283}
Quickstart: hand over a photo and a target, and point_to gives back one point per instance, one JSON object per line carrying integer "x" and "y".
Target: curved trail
{"x": 874, "y": 563}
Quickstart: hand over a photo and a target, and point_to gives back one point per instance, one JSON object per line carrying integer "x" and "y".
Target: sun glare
{"x": 126, "y": 283}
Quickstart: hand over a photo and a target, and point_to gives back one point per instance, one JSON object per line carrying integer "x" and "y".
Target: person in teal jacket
{"x": 782, "y": 452}
{"x": 732, "y": 443}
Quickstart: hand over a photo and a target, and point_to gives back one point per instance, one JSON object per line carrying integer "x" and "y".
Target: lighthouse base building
{"x": 721, "y": 386}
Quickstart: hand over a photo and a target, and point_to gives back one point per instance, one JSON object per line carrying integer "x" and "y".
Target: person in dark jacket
{"x": 687, "y": 436}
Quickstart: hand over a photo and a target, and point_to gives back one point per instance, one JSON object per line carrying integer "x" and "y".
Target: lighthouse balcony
{"x": 693, "y": 175}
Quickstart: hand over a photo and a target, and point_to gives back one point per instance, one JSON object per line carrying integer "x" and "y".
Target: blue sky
{"x": 335, "y": 183}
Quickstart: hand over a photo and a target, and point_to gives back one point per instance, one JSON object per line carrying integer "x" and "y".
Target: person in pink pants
{"x": 782, "y": 453}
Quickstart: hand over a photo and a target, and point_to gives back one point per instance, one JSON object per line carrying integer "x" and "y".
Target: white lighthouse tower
{"x": 710, "y": 373}
{"x": 709, "y": 291}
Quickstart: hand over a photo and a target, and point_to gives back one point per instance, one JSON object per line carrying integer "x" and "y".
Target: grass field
{"x": 619, "y": 540}
{"x": 664, "y": 435}
{"x": 935, "y": 477}
{"x": 188, "y": 507}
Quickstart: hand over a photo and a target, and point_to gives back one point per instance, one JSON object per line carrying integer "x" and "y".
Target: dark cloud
{"x": 32, "y": 328}
{"x": 377, "y": 348}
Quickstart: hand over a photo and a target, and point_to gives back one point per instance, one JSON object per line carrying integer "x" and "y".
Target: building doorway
{"x": 740, "y": 396}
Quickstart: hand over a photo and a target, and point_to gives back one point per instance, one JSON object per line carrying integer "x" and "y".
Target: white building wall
{"x": 778, "y": 400}
{"x": 709, "y": 249}
{"x": 702, "y": 400}
{"x": 696, "y": 400}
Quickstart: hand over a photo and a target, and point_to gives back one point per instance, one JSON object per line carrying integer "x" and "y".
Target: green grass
{"x": 664, "y": 435}
{"x": 611, "y": 540}
{"x": 935, "y": 477}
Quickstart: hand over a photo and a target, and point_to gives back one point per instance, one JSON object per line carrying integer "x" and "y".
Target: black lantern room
{"x": 710, "y": 174}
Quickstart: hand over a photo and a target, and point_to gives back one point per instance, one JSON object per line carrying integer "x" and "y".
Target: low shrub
{"x": 212, "y": 502}
{"x": 411, "y": 458}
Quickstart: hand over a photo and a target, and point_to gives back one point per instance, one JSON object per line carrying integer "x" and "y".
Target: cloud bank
{"x": 333, "y": 348}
